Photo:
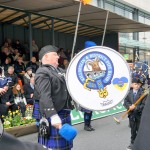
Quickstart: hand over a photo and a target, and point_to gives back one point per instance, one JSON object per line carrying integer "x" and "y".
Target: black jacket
{"x": 34, "y": 66}
{"x": 14, "y": 78}
{"x": 19, "y": 68}
{"x": 7, "y": 97}
{"x": 28, "y": 91}
{"x": 129, "y": 100}
{"x": 51, "y": 91}
{"x": 10, "y": 142}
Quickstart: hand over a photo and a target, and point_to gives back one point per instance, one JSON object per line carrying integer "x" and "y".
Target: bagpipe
{"x": 4, "y": 81}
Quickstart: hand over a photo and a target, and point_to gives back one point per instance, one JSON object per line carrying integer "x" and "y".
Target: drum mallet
{"x": 118, "y": 121}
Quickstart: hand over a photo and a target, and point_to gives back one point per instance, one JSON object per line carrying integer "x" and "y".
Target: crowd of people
{"x": 14, "y": 62}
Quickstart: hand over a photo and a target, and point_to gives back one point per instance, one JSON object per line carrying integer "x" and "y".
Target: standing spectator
{"x": 136, "y": 111}
{"x": 35, "y": 49}
{"x": 19, "y": 98}
{"x": 32, "y": 64}
{"x": 28, "y": 75}
{"x": 29, "y": 91}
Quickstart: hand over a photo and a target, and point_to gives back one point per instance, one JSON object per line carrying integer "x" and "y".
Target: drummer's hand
{"x": 132, "y": 107}
{"x": 56, "y": 121}
{"x": 57, "y": 126}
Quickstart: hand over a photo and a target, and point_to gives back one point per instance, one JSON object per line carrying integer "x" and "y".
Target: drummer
{"x": 136, "y": 111}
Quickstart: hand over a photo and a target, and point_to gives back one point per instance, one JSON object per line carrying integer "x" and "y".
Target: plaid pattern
{"x": 55, "y": 141}
{"x": 36, "y": 111}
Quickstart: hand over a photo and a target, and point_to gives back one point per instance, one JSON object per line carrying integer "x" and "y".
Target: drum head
{"x": 98, "y": 78}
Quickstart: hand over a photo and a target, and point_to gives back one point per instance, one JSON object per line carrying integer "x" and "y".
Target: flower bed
{"x": 22, "y": 130}
{"x": 17, "y": 125}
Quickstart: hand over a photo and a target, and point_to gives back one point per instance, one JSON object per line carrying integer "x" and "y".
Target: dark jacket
{"x": 143, "y": 136}
{"x": 51, "y": 90}
{"x": 34, "y": 66}
{"x": 28, "y": 91}
{"x": 19, "y": 68}
{"x": 7, "y": 97}
{"x": 10, "y": 142}
{"x": 14, "y": 78}
{"x": 129, "y": 100}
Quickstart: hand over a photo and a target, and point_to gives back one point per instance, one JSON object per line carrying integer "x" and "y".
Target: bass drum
{"x": 98, "y": 78}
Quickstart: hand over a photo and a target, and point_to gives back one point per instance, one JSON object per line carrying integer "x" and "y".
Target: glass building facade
{"x": 129, "y": 43}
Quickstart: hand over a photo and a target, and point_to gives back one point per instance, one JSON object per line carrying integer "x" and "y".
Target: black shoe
{"x": 130, "y": 146}
{"x": 91, "y": 128}
{"x": 86, "y": 128}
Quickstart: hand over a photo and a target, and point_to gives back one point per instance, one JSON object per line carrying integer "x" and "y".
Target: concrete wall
{"x": 42, "y": 37}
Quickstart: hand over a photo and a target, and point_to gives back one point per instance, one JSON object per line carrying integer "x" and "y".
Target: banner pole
{"x": 105, "y": 28}
{"x": 77, "y": 24}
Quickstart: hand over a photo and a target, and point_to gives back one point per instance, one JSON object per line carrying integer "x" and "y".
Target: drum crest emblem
{"x": 95, "y": 71}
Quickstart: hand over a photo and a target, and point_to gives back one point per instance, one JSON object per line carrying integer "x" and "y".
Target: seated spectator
{"x": 62, "y": 56}
{"x": 65, "y": 64}
{"x": 20, "y": 47}
{"x": 20, "y": 68}
{"x": 27, "y": 76}
{"x": 68, "y": 54}
{"x": 4, "y": 45}
{"x": 7, "y": 102}
{"x": 32, "y": 64}
{"x": 3, "y": 55}
{"x": 29, "y": 91}
{"x": 10, "y": 73}
{"x": 7, "y": 63}
{"x": 16, "y": 54}
{"x": 19, "y": 98}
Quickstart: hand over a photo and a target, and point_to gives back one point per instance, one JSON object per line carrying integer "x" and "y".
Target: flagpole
{"x": 75, "y": 35}
{"x": 105, "y": 28}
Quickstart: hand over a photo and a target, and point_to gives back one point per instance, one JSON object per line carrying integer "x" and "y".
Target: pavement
{"x": 107, "y": 135}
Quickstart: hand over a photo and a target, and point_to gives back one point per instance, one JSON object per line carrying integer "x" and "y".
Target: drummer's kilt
{"x": 36, "y": 111}
{"x": 55, "y": 141}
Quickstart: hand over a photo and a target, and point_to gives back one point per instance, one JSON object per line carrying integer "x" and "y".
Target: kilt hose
{"x": 54, "y": 141}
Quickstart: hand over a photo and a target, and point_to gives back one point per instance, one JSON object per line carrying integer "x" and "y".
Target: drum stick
{"x": 138, "y": 100}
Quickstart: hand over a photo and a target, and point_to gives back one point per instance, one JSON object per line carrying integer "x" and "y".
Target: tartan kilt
{"x": 55, "y": 141}
{"x": 36, "y": 110}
